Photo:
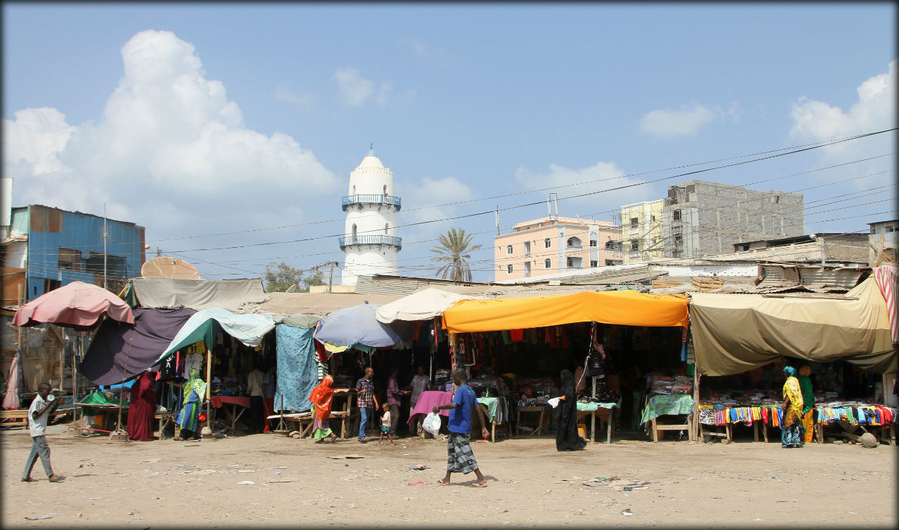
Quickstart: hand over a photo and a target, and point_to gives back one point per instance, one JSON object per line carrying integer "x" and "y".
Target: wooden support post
{"x": 694, "y": 433}
{"x": 208, "y": 388}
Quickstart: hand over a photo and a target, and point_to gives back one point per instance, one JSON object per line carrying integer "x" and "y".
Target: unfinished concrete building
{"x": 701, "y": 218}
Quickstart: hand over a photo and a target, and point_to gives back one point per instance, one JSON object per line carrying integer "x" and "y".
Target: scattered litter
{"x": 48, "y": 516}
{"x": 277, "y": 472}
{"x": 635, "y": 486}
{"x": 627, "y": 512}
{"x": 419, "y": 483}
{"x": 246, "y": 483}
{"x": 97, "y": 498}
{"x": 246, "y": 471}
{"x": 594, "y": 484}
{"x": 418, "y": 467}
{"x": 85, "y": 475}
{"x": 283, "y": 480}
{"x": 150, "y": 460}
{"x": 89, "y": 464}
{"x": 280, "y": 467}
{"x": 354, "y": 456}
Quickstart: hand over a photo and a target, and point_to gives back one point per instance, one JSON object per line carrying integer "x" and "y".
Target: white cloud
{"x": 581, "y": 185}
{"x": 170, "y": 151}
{"x": 817, "y": 121}
{"x": 419, "y": 48}
{"x": 354, "y": 90}
{"x": 284, "y": 93}
{"x": 432, "y": 199}
{"x": 684, "y": 121}
{"x": 875, "y": 110}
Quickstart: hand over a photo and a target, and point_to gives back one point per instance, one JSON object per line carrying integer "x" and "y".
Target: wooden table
{"x": 542, "y": 422}
{"x": 603, "y": 413}
{"x": 218, "y": 402}
{"x": 667, "y": 405}
{"x": 305, "y": 420}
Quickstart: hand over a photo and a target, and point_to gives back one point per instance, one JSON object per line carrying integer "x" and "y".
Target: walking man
{"x": 38, "y": 414}
{"x": 365, "y": 400}
{"x": 458, "y": 446}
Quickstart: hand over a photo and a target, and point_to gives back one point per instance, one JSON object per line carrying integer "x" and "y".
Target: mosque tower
{"x": 370, "y": 243}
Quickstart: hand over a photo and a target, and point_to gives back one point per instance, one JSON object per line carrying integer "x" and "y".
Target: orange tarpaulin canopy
{"x": 626, "y": 308}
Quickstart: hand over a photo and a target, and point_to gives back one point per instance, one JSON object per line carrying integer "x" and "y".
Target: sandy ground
{"x": 272, "y": 480}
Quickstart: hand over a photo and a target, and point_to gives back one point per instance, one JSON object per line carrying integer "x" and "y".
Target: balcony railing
{"x": 371, "y": 240}
{"x": 574, "y": 248}
{"x": 371, "y": 198}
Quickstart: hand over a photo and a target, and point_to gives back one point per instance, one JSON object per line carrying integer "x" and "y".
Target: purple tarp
{"x": 105, "y": 362}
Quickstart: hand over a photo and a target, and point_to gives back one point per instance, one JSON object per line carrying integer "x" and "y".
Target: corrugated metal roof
{"x": 317, "y": 304}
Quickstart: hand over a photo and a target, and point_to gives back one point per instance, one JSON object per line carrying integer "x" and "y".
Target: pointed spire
{"x": 371, "y": 149}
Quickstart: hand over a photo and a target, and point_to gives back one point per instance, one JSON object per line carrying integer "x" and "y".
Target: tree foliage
{"x": 452, "y": 251}
{"x": 280, "y": 276}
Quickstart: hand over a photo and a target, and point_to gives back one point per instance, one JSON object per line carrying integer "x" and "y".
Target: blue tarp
{"x": 356, "y": 325}
{"x": 297, "y": 369}
{"x": 248, "y": 329}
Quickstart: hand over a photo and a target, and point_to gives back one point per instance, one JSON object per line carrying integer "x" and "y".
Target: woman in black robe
{"x": 567, "y": 438}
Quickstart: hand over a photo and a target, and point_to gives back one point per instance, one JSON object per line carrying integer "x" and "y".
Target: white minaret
{"x": 370, "y": 243}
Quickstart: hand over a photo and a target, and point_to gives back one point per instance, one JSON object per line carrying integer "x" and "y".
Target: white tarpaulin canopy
{"x": 423, "y": 305}
{"x": 167, "y": 293}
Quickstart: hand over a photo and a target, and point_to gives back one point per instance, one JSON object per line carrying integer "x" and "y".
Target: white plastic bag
{"x": 554, "y": 402}
{"x": 431, "y": 424}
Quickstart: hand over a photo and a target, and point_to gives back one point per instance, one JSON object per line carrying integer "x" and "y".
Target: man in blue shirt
{"x": 458, "y": 445}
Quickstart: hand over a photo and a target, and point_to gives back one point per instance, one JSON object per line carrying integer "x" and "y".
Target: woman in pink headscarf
{"x": 321, "y": 397}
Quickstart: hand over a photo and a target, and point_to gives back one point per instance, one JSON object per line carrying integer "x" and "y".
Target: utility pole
{"x": 331, "y": 275}
{"x": 104, "y": 246}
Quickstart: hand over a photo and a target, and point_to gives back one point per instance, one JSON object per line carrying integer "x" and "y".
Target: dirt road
{"x": 272, "y": 480}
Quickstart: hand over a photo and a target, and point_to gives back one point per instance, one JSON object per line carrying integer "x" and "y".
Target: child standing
{"x": 385, "y": 424}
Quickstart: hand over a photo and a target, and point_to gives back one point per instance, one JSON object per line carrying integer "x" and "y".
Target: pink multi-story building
{"x": 555, "y": 244}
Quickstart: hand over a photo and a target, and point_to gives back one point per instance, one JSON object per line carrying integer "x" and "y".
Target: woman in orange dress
{"x": 321, "y": 398}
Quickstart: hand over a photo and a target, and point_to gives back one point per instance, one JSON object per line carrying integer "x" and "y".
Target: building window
{"x": 386, "y": 229}
{"x": 635, "y": 246}
{"x": 593, "y": 242}
{"x": 574, "y": 243}
{"x": 509, "y": 269}
{"x": 594, "y": 263}
{"x": 527, "y": 248}
{"x": 677, "y": 215}
{"x": 508, "y": 249}
{"x": 527, "y": 268}
{"x": 635, "y": 222}
{"x": 547, "y": 263}
{"x": 547, "y": 243}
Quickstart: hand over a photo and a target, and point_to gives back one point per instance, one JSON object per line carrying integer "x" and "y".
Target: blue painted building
{"x": 48, "y": 248}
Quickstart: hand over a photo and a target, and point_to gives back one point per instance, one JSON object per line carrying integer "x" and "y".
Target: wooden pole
{"x": 454, "y": 340}
{"x": 694, "y": 434}
{"x": 62, "y": 364}
{"x": 208, "y": 387}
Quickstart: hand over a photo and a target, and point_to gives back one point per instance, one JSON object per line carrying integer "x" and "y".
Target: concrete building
{"x": 882, "y": 242}
{"x": 702, "y": 218}
{"x": 370, "y": 243}
{"x": 553, "y": 244}
{"x": 823, "y": 248}
{"x": 47, "y": 248}
{"x": 641, "y": 231}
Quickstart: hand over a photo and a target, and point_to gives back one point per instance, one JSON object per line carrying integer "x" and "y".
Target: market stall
{"x": 749, "y": 338}
{"x": 541, "y": 335}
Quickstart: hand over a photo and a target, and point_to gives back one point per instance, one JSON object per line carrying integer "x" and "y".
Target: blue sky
{"x": 239, "y": 119}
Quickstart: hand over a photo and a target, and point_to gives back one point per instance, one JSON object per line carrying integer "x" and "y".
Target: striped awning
{"x": 887, "y": 278}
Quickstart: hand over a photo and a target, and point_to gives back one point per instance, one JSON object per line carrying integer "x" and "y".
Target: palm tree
{"x": 453, "y": 250}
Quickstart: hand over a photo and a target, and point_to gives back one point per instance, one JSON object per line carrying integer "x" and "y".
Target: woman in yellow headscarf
{"x": 791, "y": 426}
{"x": 321, "y": 398}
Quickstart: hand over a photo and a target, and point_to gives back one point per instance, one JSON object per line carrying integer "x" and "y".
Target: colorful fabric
{"x": 791, "y": 436}
{"x": 297, "y": 370}
{"x": 661, "y": 405}
{"x": 460, "y": 458}
{"x": 808, "y": 424}
{"x": 808, "y": 395}
{"x": 321, "y": 427}
{"x": 793, "y": 393}
{"x": 322, "y": 397}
